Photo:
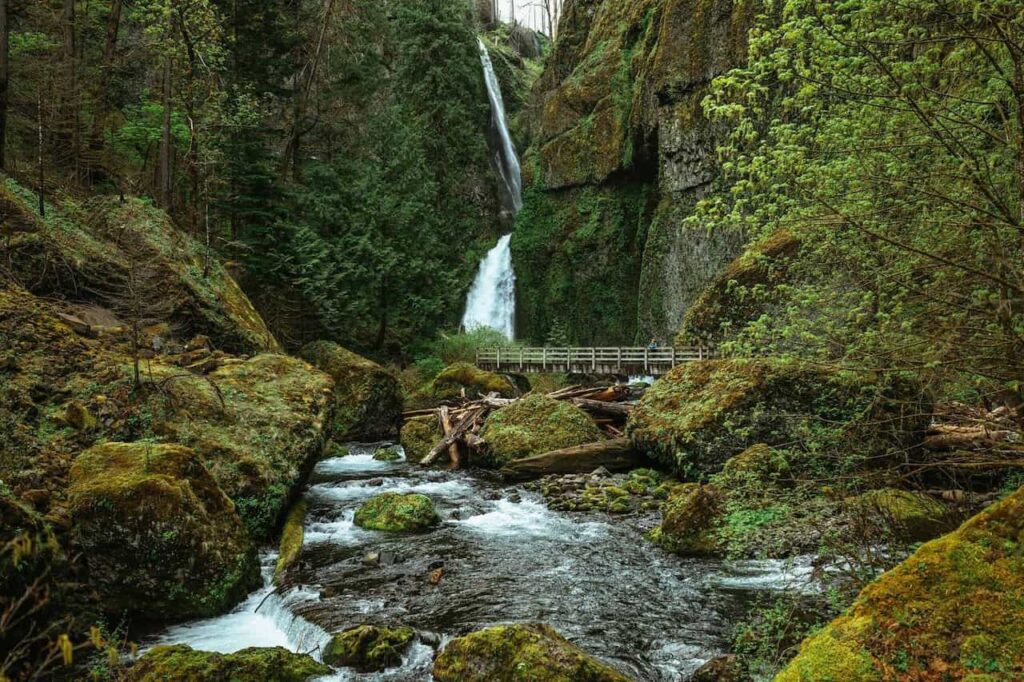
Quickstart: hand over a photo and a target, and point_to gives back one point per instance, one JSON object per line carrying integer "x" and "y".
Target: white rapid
{"x": 492, "y": 299}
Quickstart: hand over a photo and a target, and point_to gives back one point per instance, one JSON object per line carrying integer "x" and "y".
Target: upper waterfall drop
{"x": 492, "y": 299}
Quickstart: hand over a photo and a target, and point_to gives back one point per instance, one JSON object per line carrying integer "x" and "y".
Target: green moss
{"x": 956, "y": 605}
{"x": 419, "y": 435}
{"x": 517, "y": 653}
{"x": 397, "y": 513}
{"x": 291, "y": 539}
{"x": 159, "y": 537}
{"x": 367, "y": 397}
{"x": 534, "y": 425}
{"x": 701, "y": 414}
{"x": 368, "y": 647}
{"x": 690, "y": 518}
{"x": 387, "y": 455}
{"x": 164, "y": 663}
{"x": 463, "y": 376}
{"x": 908, "y": 515}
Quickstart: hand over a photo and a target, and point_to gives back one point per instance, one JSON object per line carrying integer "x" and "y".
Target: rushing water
{"x": 492, "y": 299}
{"x": 506, "y": 558}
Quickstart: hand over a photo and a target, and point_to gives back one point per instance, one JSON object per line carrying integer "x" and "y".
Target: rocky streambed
{"x": 500, "y": 555}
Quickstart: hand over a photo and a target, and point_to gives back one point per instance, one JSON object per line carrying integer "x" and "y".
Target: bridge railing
{"x": 596, "y": 358}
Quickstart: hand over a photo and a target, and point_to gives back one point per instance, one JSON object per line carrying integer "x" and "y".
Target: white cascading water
{"x": 492, "y": 299}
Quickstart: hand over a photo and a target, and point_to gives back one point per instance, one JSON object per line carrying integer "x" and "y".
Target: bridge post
{"x": 520, "y": 358}
{"x": 544, "y": 358}
{"x": 499, "y": 358}
{"x": 673, "y": 357}
{"x": 647, "y": 360}
{"x": 700, "y": 352}
{"x": 593, "y": 359}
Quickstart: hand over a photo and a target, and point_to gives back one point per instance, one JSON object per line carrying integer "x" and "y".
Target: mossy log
{"x": 616, "y": 454}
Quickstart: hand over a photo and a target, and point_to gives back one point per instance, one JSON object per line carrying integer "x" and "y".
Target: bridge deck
{"x": 621, "y": 361}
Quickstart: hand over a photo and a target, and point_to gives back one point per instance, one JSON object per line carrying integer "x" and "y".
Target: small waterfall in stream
{"x": 492, "y": 299}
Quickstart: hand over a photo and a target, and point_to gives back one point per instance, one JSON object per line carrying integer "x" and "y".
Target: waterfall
{"x": 492, "y": 299}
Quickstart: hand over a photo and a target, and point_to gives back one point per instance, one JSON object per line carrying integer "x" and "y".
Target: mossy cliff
{"x": 620, "y": 153}
{"x": 367, "y": 399}
{"x": 86, "y": 252}
{"x": 954, "y": 610}
{"x": 517, "y": 653}
{"x": 158, "y": 536}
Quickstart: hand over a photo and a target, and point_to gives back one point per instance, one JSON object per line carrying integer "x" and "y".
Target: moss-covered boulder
{"x": 367, "y": 397}
{"x": 258, "y": 425}
{"x": 462, "y": 376}
{"x": 517, "y": 653}
{"x": 532, "y": 426}
{"x": 689, "y": 520}
{"x": 183, "y": 664}
{"x": 368, "y": 647}
{"x": 86, "y": 253}
{"x": 907, "y": 515}
{"x": 701, "y": 414}
{"x": 419, "y": 435}
{"x": 158, "y": 537}
{"x": 387, "y": 454}
{"x": 397, "y": 513}
{"x": 291, "y": 539}
{"x": 954, "y": 610}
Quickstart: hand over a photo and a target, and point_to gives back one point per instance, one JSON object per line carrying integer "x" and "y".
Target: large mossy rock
{"x": 183, "y": 664}
{"x": 462, "y": 376}
{"x": 157, "y": 535}
{"x": 910, "y": 516}
{"x": 689, "y": 519}
{"x": 367, "y": 397}
{"x": 519, "y": 653}
{"x": 259, "y": 425}
{"x": 84, "y": 253}
{"x": 368, "y": 647}
{"x": 534, "y": 425}
{"x": 701, "y": 414}
{"x": 954, "y": 610}
{"x": 397, "y": 513}
{"x": 419, "y": 435}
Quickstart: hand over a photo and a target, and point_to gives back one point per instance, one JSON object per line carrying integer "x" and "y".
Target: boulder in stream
{"x": 462, "y": 376}
{"x": 181, "y": 662}
{"x": 419, "y": 436}
{"x": 689, "y": 518}
{"x": 532, "y": 426}
{"x": 157, "y": 535}
{"x": 367, "y": 398}
{"x": 514, "y": 653}
{"x": 397, "y": 513}
{"x": 368, "y": 647}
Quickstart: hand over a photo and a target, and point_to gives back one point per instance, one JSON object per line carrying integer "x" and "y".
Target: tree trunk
{"x": 71, "y": 114}
{"x": 109, "y": 52}
{"x": 615, "y": 455}
{"x": 4, "y": 80}
{"x": 165, "y": 140}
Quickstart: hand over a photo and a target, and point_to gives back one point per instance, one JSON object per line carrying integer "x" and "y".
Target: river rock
{"x": 419, "y": 435}
{"x": 955, "y": 606}
{"x": 514, "y": 653}
{"x": 534, "y": 425}
{"x": 397, "y": 513}
{"x": 703, "y": 413}
{"x": 368, "y": 647}
{"x": 907, "y": 515}
{"x": 689, "y": 518}
{"x": 722, "y": 669}
{"x": 367, "y": 398}
{"x": 164, "y": 663}
{"x": 157, "y": 535}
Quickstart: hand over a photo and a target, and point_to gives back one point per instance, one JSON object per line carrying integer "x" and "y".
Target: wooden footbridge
{"x": 617, "y": 361}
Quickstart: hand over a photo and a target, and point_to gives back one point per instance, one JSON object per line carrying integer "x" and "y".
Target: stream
{"x": 505, "y": 558}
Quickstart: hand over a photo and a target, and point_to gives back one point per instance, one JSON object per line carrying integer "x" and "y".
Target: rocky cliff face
{"x": 621, "y": 153}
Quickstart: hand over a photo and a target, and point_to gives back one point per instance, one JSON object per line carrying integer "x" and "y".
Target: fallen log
{"x": 456, "y": 433}
{"x": 615, "y": 455}
{"x": 619, "y": 411}
{"x": 974, "y": 438}
{"x": 446, "y": 428}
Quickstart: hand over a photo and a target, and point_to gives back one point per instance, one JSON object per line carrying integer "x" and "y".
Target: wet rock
{"x": 164, "y": 663}
{"x": 722, "y": 669}
{"x": 387, "y": 455}
{"x": 368, "y": 648}
{"x": 431, "y": 639}
{"x": 371, "y": 558}
{"x": 507, "y": 653}
{"x": 689, "y": 518}
{"x": 291, "y": 539}
{"x": 374, "y": 482}
{"x": 600, "y": 472}
{"x": 159, "y": 538}
{"x": 368, "y": 402}
{"x": 419, "y": 435}
{"x": 514, "y": 498}
{"x": 396, "y": 513}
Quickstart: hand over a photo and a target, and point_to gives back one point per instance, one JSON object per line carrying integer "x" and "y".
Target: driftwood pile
{"x": 462, "y": 421}
{"x": 974, "y": 440}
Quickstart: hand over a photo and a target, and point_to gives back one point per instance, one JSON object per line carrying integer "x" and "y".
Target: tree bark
{"x": 615, "y": 455}
{"x": 165, "y": 140}
{"x": 109, "y": 52}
